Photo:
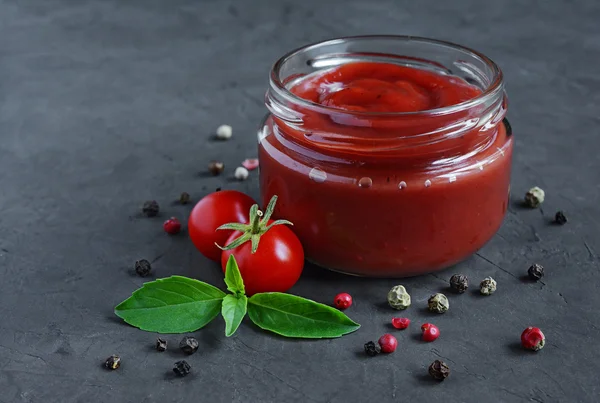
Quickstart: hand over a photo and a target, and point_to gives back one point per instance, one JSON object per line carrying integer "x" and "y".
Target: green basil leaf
{"x": 293, "y": 316}
{"x": 233, "y": 277}
{"x": 233, "y": 311}
{"x": 171, "y": 305}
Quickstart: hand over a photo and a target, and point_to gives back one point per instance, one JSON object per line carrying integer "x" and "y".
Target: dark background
{"x": 104, "y": 104}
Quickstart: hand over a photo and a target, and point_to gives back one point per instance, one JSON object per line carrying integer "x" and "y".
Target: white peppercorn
{"x": 398, "y": 297}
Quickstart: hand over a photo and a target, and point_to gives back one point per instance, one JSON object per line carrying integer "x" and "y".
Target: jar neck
{"x": 428, "y": 135}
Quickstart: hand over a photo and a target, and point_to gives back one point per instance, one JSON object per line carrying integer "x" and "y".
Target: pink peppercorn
{"x": 172, "y": 226}
{"x": 342, "y": 300}
{"x": 388, "y": 343}
{"x": 532, "y": 338}
{"x": 400, "y": 323}
{"x": 430, "y": 332}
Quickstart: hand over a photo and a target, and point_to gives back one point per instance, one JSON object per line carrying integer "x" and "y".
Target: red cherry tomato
{"x": 212, "y": 211}
{"x": 275, "y": 266}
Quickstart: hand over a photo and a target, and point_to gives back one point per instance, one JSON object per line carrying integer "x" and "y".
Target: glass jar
{"x": 387, "y": 194}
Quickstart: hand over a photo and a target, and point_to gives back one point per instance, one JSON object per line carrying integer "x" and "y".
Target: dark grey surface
{"x": 104, "y": 104}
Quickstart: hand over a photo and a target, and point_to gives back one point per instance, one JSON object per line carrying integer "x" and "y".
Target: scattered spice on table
{"x": 172, "y": 226}
{"x": 241, "y": 173}
{"x": 560, "y": 218}
{"x": 534, "y": 197}
{"x": 388, "y": 343}
{"x": 438, "y": 303}
{"x": 182, "y": 368}
{"x": 342, "y": 300}
{"x": 430, "y": 332}
{"x": 439, "y": 370}
{"x": 400, "y": 323}
{"x": 532, "y": 338}
{"x": 184, "y": 198}
{"x": 143, "y": 267}
{"x": 372, "y": 348}
{"x": 459, "y": 283}
{"x": 113, "y": 362}
{"x": 224, "y": 132}
{"x": 188, "y": 345}
{"x": 536, "y": 271}
{"x": 487, "y": 286}
{"x": 216, "y": 167}
{"x": 398, "y": 297}
{"x": 161, "y": 344}
{"x": 250, "y": 164}
{"x": 150, "y": 208}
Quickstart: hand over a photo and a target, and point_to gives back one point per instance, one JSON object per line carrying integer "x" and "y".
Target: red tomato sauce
{"x": 377, "y": 194}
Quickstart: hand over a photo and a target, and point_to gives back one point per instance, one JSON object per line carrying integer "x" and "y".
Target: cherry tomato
{"x": 211, "y": 212}
{"x": 275, "y": 266}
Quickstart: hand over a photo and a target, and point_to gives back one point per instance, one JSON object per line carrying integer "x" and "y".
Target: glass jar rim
{"x": 492, "y": 90}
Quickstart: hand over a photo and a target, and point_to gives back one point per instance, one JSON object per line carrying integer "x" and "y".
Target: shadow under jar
{"x": 388, "y": 153}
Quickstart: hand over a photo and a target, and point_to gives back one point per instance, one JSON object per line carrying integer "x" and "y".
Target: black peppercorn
{"x": 536, "y": 272}
{"x": 189, "y": 345}
{"x": 218, "y": 189}
{"x": 216, "y": 167}
{"x": 113, "y": 362}
{"x": 182, "y": 368}
{"x": 372, "y": 348}
{"x": 459, "y": 283}
{"x": 161, "y": 344}
{"x": 439, "y": 370}
{"x": 143, "y": 267}
{"x": 184, "y": 198}
{"x": 560, "y": 218}
{"x": 150, "y": 208}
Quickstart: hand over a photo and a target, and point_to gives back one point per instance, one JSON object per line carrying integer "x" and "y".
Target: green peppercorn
{"x": 534, "y": 197}
{"x": 113, "y": 362}
{"x": 184, "y": 198}
{"x": 439, "y": 370}
{"x": 459, "y": 283}
{"x": 487, "y": 286}
{"x": 398, "y": 297}
{"x": 536, "y": 271}
{"x": 438, "y": 303}
{"x": 150, "y": 208}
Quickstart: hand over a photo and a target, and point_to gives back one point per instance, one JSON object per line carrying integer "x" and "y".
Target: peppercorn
{"x": 189, "y": 345}
{"x": 439, "y": 370}
{"x": 388, "y": 343}
{"x": 150, "y": 208}
{"x": 184, "y": 198}
{"x": 143, "y": 267}
{"x": 372, "y": 349}
{"x": 534, "y": 197}
{"x": 400, "y": 323}
{"x": 430, "y": 332}
{"x": 224, "y": 132}
{"x": 113, "y": 362}
{"x": 438, "y": 303}
{"x": 459, "y": 283}
{"x": 342, "y": 300}
{"x": 536, "y": 271}
{"x": 172, "y": 226}
{"x": 532, "y": 338}
{"x": 560, "y": 218}
{"x": 216, "y": 167}
{"x": 161, "y": 344}
{"x": 241, "y": 173}
{"x": 182, "y": 368}
{"x": 398, "y": 297}
{"x": 487, "y": 286}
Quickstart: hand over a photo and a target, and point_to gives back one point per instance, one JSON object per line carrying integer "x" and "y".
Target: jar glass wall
{"x": 387, "y": 193}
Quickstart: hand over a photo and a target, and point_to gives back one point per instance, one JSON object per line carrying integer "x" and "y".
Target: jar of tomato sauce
{"x": 391, "y": 155}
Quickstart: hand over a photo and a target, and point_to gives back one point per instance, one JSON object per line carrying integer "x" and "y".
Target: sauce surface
{"x": 384, "y": 87}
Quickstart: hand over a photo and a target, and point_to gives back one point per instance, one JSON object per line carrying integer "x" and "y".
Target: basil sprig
{"x": 180, "y": 305}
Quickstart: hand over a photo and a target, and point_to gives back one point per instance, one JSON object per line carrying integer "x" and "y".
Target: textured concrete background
{"x": 104, "y": 104}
